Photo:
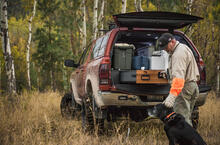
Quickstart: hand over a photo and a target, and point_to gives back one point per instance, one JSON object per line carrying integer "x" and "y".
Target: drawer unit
{"x": 149, "y": 77}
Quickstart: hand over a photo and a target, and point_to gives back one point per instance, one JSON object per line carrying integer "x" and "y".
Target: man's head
{"x": 166, "y": 42}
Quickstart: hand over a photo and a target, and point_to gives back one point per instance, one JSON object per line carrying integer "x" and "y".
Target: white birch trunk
{"x": 101, "y": 16}
{"x": 95, "y": 19}
{"x": 135, "y": 5}
{"x": 138, "y": 6}
{"x": 29, "y": 43}
{"x": 189, "y": 7}
{"x": 124, "y": 5}
{"x": 9, "y": 62}
{"x": 189, "y": 11}
{"x": 84, "y": 24}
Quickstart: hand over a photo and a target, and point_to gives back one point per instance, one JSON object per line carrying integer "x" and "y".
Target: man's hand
{"x": 169, "y": 101}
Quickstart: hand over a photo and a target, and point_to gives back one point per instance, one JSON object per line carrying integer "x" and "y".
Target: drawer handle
{"x": 145, "y": 77}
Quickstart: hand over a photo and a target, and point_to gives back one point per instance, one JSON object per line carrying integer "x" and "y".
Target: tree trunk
{"x": 29, "y": 43}
{"x": 0, "y": 78}
{"x": 9, "y": 62}
{"x": 189, "y": 11}
{"x": 218, "y": 70}
{"x": 101, "y": 16}
{"x": 84, "y": 25}
{"x": 147, "y": 3}
{"x": 158, "y": 5}
{"x": 217, "y": 84}
{"x": 124, "y": 4}
{"x": 135, "y": 5}
{"x": 95, "y": 19}
{"x": 189, "y": 7}
{"x": 138, "y": 6}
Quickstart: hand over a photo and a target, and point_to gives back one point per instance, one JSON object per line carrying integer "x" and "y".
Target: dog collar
{"x": 169, "y": 115}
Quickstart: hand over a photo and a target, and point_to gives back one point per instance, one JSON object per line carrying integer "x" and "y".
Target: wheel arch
{"x": 92, "y": 85}
{"x": 74, "y": 92}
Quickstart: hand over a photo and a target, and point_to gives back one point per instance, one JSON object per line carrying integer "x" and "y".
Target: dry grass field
{"x": 35, "y": 119}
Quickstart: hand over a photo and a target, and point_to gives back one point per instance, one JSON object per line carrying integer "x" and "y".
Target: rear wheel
{"x": 90, "y": 123}
{"x": 87, "y": 116}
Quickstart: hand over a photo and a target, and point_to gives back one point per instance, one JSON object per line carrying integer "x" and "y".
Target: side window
{"x": 97, "y": 47}
{"x": 84, "y": 56}
{"x": 103, "y": 45}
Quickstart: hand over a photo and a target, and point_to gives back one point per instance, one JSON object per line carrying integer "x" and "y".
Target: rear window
{"x": 100, "y": 46}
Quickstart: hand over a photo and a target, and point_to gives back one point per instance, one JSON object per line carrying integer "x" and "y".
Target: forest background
{"x": 62, "y": 29}
{"x": 41, "y": 34}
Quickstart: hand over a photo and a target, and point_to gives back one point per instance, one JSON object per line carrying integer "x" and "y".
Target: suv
{"x": 119, "y": 74}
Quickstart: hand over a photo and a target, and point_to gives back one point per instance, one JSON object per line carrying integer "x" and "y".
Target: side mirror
{"x": 70, "y": 63}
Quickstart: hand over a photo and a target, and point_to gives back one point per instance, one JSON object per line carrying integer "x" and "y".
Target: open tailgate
{"x": 163, "y": 20}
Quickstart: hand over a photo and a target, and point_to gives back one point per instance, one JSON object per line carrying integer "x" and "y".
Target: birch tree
{"x": 137, "y": 4}
{"x": 189, "y": 7}
{"x": 95, "y": 19}
{"x": 29, "y": 43}
{"x": 101, "y": 16}
{"x": 9, "y": 62}
{"x": 124, "y": 4}
{"x": 84, "y": 24}
{"x": 189, "y": 11}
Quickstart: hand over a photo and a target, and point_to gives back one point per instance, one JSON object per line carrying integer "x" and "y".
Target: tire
{"x": 195, "y": 117}
{"x": 87, "y": 117}
{"x": 91, "y": 124}
{"x": 69, "y": 108}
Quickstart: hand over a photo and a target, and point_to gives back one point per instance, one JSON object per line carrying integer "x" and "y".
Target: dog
{"x": 177, "y": 129}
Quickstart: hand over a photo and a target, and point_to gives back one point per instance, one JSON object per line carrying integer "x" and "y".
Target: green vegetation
{"x": 56, "y": 36}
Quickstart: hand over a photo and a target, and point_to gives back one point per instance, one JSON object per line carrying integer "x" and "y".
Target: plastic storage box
{"x": 140, "y": 62}
{"x": 159, "y": 60}
{"x": 122, "y": 57}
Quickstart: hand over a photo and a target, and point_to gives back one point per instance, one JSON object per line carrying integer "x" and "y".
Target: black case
{"x": 127, "y": 76}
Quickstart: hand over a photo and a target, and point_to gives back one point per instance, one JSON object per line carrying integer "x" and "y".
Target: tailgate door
{"x": 163, "y": 20}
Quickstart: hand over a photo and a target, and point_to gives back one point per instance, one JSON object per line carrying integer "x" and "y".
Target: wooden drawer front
{"x": 149, "y": 77}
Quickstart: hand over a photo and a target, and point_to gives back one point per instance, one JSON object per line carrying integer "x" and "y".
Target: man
{"x": 183, "y": 75}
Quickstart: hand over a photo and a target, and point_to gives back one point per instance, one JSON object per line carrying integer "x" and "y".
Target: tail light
{"x": 104, "y": 74}
{"x": 202, "y": 71}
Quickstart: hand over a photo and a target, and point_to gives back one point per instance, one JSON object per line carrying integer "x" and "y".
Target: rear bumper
{"x": 121, "y": 99}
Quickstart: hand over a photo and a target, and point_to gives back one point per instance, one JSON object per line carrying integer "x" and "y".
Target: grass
{"x": 35, "y": 119}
